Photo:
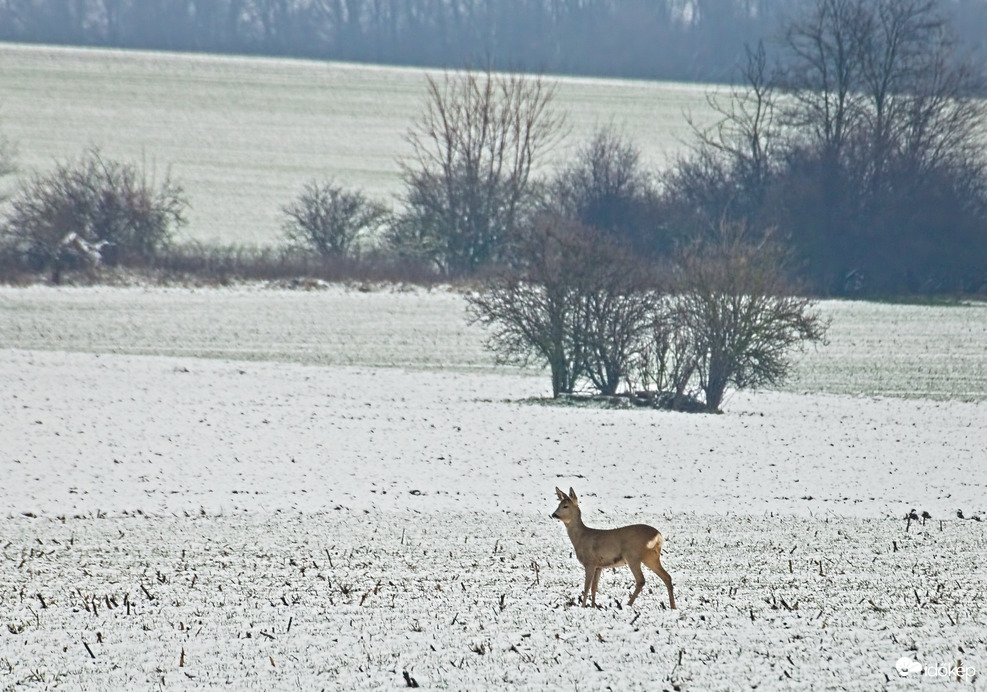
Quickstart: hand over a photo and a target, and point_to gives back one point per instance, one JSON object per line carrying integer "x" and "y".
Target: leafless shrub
{"x": 583, "y": 307}
{"x": 666, "y": 362}
{"x": 92, "y": 210}
{"x": 606, "y": 186}
{"x": 534, "y": 314}
{"x": 331, "y": 220}
{"x": 617, "y": 305}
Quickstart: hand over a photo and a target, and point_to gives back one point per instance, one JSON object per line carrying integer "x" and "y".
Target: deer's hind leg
{"x": 638, "y": 579}
{"x": 653, "y": 561}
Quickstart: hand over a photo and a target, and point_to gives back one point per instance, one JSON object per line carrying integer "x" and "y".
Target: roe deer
{"x": 600, "y": 548}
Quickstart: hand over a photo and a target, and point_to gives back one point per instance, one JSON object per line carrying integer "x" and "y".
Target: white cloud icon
{"x": 908, "y": 666}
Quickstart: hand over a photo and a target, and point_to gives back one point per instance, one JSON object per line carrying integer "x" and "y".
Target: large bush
{"x": 583, "y": 307}
{"x": 93, "y": 210}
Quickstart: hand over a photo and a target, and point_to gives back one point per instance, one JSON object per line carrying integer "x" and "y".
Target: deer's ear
{"x": 572, "y": 496}
{"x": 562, "y": 495}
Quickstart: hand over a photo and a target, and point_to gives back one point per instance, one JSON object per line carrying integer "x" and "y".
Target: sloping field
{"x": 244, "y": 134}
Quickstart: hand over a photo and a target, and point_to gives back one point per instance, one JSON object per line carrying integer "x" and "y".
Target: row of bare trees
{"x": 861, "y": 159}
{"x": 858, "y": 139}
{"x": 629, "y": 38}
{"x": 860, "y": 144}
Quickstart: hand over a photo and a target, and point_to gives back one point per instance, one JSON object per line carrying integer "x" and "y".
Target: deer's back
{"x": 614, "y": 547}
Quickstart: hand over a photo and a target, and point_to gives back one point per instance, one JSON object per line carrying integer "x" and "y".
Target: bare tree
{"x": 824, "y": 74}
{"x": 534, "y": 314}
{"x": 740, "y": 312}
{"x": 469, "y": 176}
{"x": 329, "y": 219}
{"x": 617, "y": 303}
{"x": 729, "y": 170}
{"x": 579, "y": 303}
{"x": 666, "y": 361}
{"x": 746, "y": 132}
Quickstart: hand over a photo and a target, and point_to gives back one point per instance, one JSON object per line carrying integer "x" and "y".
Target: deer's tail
{"x": 656, "y": 543}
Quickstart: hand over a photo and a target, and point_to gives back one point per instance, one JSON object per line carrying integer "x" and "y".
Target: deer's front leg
{"x": 596, "y": 582}
{"x": 590, "y": 571}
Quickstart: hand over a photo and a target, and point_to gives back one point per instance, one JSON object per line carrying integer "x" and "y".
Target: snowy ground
{"x": 183, "y": 522}
{"x": 474, "y": 600}
{"x": 89, "y": 434}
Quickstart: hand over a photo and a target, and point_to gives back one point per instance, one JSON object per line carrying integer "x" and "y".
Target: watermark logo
{"x": 908, "y": 667}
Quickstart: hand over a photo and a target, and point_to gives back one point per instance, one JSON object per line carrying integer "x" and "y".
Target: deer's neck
{"x": 576, "y": 527}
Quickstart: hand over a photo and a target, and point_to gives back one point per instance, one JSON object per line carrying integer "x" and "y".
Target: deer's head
{"x": 568, "y": 508}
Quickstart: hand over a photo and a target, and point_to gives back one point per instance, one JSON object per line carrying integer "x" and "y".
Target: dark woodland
{"x": 693, "y": 40}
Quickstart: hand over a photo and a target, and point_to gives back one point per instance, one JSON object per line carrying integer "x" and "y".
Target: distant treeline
{"x": 700, "y": 40}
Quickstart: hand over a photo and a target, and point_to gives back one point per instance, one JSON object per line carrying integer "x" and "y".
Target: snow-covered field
{"x": 244, "y": 134}
{"x": 278, "y": 519}
{"x": 932, "y": 352}
{"x": 483, "y": 599}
